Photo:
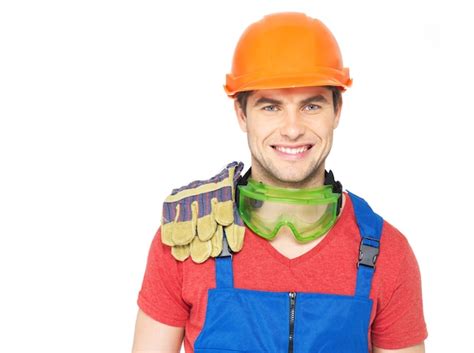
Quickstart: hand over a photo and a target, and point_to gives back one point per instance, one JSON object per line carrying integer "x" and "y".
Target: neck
{"x": 314, "y": 179}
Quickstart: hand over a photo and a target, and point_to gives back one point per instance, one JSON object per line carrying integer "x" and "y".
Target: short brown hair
{"x": 242, "y": 98}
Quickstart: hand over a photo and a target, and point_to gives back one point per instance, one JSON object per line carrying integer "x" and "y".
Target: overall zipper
{"x": 292, "y": 296}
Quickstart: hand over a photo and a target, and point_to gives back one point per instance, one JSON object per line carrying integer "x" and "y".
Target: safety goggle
{"x": 309, "y": 213}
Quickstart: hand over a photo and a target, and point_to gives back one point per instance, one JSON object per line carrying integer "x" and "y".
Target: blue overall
{"x": 254, "y": 321}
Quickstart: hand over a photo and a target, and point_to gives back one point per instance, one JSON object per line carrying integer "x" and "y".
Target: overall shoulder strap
{"x": 370, "y": 229}
{"x": 223, "y": 266}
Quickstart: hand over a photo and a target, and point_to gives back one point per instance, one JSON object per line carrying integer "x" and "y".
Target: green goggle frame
{"x": 309, "y": 213}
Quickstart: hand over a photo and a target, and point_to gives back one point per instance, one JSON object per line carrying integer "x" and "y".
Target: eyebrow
{"x": 317, "y": 98}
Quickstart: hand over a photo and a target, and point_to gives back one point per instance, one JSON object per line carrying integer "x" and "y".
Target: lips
{"x": 293, "y": 153}
{"x": 293, "y": 150}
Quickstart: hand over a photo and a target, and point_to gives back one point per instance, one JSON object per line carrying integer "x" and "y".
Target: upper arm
{"x": 152, "y": 336}
{"x": 160, "y": 296}
{"x": 419, "y": 348}
{"x": 162, "y": 313}
{"x": 399, "y": 320}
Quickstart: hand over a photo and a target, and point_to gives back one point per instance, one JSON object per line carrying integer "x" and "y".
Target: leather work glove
{"x": 194, "y": 217}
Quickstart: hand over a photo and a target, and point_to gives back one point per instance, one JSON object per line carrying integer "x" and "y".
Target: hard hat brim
{"x": 323, "y": 77}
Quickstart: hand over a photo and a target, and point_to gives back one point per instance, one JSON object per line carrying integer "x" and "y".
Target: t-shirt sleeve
{"x": 400, "y": 321}
{"x": 160, "y": 296}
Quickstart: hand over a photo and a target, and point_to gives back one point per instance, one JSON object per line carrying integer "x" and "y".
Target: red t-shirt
{"x": 175, "y": 292}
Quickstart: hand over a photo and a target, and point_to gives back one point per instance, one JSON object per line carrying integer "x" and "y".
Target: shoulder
{"x": 395, "y": 254}
{"x": 397, "y": 264}
{"x": 392, "y": 236}
{"x": 392, "y": 240}
{"x": 395, "y": 243}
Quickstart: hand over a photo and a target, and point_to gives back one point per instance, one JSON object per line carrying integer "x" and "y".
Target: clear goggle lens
{"x": 309, "y": 213}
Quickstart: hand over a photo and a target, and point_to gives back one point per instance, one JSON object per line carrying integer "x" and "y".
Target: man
{"x": 280, "y": 259}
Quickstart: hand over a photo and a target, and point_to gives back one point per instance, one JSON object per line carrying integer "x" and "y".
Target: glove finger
{"x": 180, "y": 252}
{"x": 183, "y": 231}
{"x": 224, "y": 212}
{"x": 194, "y": 215}
{"x": 166, "y": 233}
{"x": 235, "y": 236}
{"x": 200, "y": 250}
{"x": 206, "y": 227}
{"x": 216, "y": 241}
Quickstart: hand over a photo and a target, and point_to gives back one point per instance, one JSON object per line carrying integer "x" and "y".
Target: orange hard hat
{"x": 286, "y": 49}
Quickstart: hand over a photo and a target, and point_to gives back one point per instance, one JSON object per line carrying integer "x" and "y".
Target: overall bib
{"x": 255, "y": 321}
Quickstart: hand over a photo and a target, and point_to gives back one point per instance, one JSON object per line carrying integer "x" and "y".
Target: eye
{"x": 314, "y": 106}
{"x": 270, "y": 106}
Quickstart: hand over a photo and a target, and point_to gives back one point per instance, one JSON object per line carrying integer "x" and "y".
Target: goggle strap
{"x": 336, "y": 188}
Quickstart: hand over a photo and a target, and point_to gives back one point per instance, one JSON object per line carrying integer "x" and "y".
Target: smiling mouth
{"x": 292, "y": 150}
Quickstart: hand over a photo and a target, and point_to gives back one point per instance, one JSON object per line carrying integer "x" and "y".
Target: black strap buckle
{"x": 367, "y": 253}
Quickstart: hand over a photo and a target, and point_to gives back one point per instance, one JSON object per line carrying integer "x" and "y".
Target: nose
{"x": 293, "y": 126}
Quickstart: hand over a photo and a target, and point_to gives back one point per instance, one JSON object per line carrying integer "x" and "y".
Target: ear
{"x": 241, "y": 118}
{"x": 338, "y": 115}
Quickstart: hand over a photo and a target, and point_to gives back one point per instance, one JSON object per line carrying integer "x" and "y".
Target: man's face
{"x": 289, "y": 132}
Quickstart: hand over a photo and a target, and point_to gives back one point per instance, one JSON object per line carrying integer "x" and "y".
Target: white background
{"x": 106, "y": 106}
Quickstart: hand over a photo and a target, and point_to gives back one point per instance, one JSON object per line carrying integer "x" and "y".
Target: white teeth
{"x": 291, "y": 150}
